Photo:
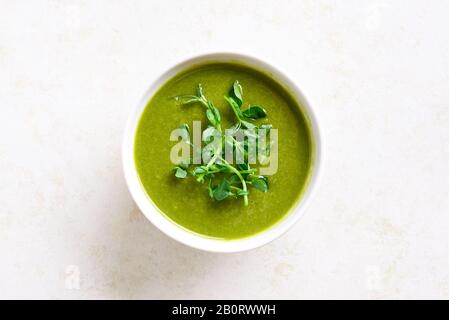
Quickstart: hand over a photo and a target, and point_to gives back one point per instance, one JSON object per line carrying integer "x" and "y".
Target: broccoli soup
{"x": 223, "y": 150}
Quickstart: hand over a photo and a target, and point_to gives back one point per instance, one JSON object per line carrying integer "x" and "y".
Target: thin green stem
{"x": 233, "y": 107}
{"x": 237, "y": 173}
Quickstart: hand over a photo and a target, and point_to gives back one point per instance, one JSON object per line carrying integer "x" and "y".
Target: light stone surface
{"x": 377, "y": 73}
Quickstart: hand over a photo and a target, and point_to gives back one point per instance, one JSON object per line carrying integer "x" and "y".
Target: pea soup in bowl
{"x": 222, "y": 153}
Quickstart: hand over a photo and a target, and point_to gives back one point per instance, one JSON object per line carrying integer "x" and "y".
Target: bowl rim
{"x": 183, "y": 235}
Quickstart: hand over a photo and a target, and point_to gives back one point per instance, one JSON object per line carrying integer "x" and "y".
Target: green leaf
{"x": 210, "y": 116}
{"x": 236, "y": 92}
{"x": 199, "y": 170}
{"x": 215, "y": 112}
{"x": 260, "y": 183}
{"x": 255, "y": 112}
{"x": 214, "y": 167}
{"x": 213, "y": 115}
{"x": 222, "y": 190}
{"x": 234, "y": 179}
{"x": 180, "y": 173}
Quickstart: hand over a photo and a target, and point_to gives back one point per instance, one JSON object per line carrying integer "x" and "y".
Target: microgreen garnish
{"x": 225, "y": 180}
{"x": 236, "y": 93}
{"x": 254, "y": 112}
{"x": 181, "y": 169}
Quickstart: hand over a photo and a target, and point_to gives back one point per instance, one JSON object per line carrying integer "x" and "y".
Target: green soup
{"x": 186, "y": 202}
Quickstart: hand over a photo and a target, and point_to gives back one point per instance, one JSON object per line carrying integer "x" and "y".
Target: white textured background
{"x": 377, "y": 73}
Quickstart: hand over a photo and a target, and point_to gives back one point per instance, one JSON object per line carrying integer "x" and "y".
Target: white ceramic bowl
{"x": 185, "y": 236}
